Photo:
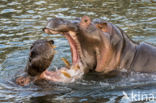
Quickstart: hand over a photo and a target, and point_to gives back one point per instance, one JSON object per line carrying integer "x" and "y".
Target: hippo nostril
{"x": 86, "y": 20}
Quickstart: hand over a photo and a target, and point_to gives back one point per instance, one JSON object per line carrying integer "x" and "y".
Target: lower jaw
{"x": 63, "y": 75}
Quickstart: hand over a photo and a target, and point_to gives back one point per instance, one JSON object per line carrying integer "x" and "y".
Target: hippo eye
{"x": 32, "y": 54}
{"x": 31, "y": 47}
{"x": 30, "y": 59}
{"x": 51, "y": 41}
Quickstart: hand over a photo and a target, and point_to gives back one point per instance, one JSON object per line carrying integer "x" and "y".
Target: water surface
{"x": 21, "y": 23}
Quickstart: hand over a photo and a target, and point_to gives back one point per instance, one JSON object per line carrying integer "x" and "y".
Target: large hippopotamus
{"x": 102, "y": 46}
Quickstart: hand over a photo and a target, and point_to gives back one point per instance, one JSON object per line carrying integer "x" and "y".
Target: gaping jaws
{"x": 73, "y": 45}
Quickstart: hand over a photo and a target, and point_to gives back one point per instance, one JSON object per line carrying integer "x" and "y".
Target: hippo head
{"x": 92, "y": 44}
{"x": 40, "y": 58}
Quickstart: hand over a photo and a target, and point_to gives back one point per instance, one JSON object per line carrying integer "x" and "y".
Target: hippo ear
{"x": 51, "y": 41}
{"x": 104, "y": 26}
{"x": 116, "y": 34}
{"x": 85, "y": 21}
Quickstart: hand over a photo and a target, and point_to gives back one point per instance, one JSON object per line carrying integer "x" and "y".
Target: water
{"x": 21, "y": 23}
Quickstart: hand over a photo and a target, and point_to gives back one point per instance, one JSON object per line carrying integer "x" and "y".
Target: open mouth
{"x": 72, "y": 43}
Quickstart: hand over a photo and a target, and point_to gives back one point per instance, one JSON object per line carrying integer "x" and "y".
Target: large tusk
{"x": 66, "y": 74}
{"x": 66, "y": 62}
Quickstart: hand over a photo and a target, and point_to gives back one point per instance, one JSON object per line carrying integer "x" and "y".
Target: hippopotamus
{"x": 40, "y": 58}
{"x": 103, "y": 47}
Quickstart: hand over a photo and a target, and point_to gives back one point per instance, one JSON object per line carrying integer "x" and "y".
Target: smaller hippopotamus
{"x": 40, "y": 58}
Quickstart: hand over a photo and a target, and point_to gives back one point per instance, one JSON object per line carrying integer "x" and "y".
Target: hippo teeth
{"x": 66, "y": 62}
{"x": 66, "y": 74}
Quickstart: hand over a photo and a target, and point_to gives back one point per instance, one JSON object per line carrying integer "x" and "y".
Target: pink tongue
{"x": 73, "y": 48}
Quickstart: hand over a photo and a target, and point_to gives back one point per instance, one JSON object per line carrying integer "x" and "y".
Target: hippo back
{"x": 145, "y": 59}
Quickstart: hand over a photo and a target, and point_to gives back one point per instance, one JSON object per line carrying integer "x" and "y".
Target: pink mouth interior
{"x": 73, "y": 48}
{"x": 72, "y": 43}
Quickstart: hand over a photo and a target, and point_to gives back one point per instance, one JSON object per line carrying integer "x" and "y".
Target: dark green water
{"x": 21, "y": 23}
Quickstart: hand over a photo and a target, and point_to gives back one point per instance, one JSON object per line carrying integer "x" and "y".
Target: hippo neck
{"x": 87, "y": 51}
{"x": 144, "y": 60}
{"x": 128, "y": 53}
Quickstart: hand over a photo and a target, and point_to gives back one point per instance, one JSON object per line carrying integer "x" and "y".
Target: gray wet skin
{"x": 104, "y": 47}
{"x": 40, "y": 57}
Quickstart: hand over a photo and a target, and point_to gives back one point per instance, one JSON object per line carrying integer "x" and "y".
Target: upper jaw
{"x": 71, "y": 37}
{"x": 50, "y": 31}
{"x": 69, "y": 31}
{"x": 59, "y": 26}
